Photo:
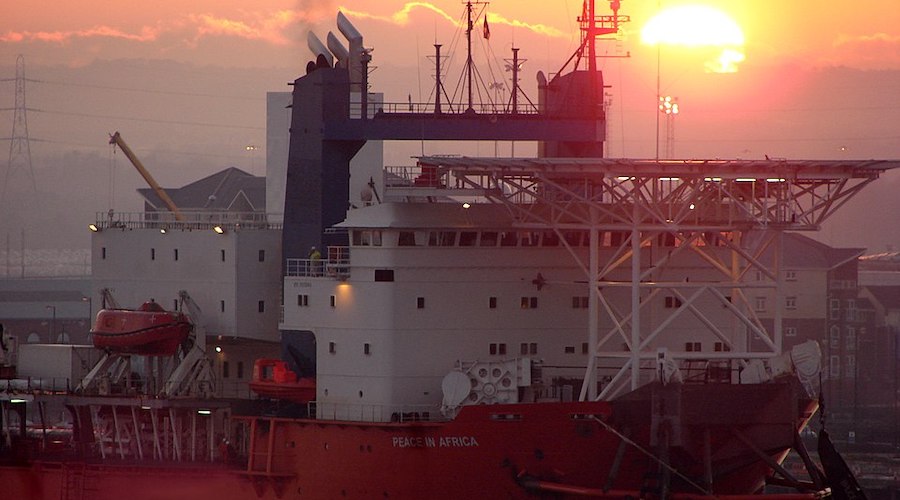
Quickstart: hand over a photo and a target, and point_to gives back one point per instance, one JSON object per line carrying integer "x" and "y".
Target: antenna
{"x": 20, "y": 145}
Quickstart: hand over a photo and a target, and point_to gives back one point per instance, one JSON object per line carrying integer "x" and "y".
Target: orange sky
{"x": 820, "y": 79}
{"x": 860, "y": 34}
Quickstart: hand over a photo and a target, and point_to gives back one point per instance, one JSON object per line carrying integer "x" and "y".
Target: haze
{"x": 185, "y": 84}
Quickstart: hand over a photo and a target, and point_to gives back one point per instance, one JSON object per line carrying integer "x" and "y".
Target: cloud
{"x": 268, "y": 27}
{"x": 871, "y": 51}
{"x": 402, "y": 18}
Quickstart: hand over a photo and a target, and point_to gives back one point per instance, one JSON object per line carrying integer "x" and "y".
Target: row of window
{"x": 525, "y": 349}
{"x": 790, "y": 303}
{"x": 834, "y": 337}
{"x": 449, "y": 238}
{"x": 261, "y": 256}
{"x": 834, "y": 366}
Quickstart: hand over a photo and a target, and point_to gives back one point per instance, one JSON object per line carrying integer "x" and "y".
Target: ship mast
{"x": 470, "y": 63}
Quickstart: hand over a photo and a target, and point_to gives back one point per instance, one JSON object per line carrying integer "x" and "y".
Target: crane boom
{"x": 117, "y": 140}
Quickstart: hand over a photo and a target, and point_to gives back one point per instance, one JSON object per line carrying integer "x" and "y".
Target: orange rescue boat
{"x": 148, "y": 330}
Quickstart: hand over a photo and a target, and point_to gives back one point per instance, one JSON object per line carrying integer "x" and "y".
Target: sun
{"x": 697, "y": 26}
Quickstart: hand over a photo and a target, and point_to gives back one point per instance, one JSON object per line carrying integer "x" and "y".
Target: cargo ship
{"x": 563, "y": 326}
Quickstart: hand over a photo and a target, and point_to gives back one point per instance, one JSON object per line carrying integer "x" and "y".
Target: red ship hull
{"x": 148, "y": 331}
{"x": 562, "y": 450}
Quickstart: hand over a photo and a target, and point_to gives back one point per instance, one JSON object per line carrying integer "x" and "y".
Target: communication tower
{"x": 19, "y": 145}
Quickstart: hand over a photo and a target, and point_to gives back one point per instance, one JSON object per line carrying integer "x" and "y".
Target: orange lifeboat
{"x": 148, "y": 330}
{"x": 273, "y": 379}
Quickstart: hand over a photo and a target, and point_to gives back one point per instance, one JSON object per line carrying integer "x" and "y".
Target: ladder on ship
{"x": 263, "y": 458}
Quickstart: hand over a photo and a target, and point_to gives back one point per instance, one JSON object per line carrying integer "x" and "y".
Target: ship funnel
{"x": 357, "y": 52}
{"x": 337, "y": 48}
{"x": 318, "y": 48}
{"x": 348, "y": 30}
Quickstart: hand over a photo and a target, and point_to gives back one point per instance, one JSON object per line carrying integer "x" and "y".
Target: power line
{"x": 150, "y": 91}
{"x": 151, "y": 120}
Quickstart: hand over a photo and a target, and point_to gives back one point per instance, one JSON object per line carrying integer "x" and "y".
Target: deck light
{"x": 16, "y": 401}
{"x": 162, "y": 230}
{"x": 94, "y": 228}
{"x": 219, "y": 229}
{"x": 218, "y": 348}
{"x": 466, "y": 205}
{"x": 204, "y": 412}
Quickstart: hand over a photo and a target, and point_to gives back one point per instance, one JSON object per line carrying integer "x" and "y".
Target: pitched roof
{"x": 803, "y": 252}
{"x": 230, "y": 189}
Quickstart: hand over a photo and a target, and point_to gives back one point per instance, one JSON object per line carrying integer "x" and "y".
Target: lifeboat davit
{"x": 148, "y": 330}
{"x": 273, "y": 379}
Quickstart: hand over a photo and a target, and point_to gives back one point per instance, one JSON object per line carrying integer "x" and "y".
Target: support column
{"x": 635, "y": 297}
{"x": 593, "y": 307}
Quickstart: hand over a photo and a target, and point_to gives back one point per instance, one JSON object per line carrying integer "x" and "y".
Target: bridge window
{"x": 489, "y": 238}
{"x": 468, "y": 238}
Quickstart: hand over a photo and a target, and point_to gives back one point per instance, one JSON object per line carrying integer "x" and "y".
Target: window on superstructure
{"x": 834, "y": 306}
{"x": 692, "y": 347}
{"x": 501, "y": 349}
{"x": 666, "y": 240}
{"x": 222, "y": 305}
{"x": 222, "y": 254}
{"x": 529, "y": 303}
{"x": 420, "y": 302}
{"x": 175, "y": 305}
{"x": 834, "y": 364}
{"x": 790, "y": 331}
{"x": 523, "y": 348}
{"x": 240, "y": 369}
{"x": 176, "y": 254}
{"x": 152, "y": 254}
{"x": 103, "y": 253}
{"x": 492, "y": 302}
{"x": 332, "y": 348}
{"x": 721, "y": 347}
{"x": 569, "y": 349}
{"x": 302, "y": 300}
{"x": 489, "y": 239}
{"x": 384, "y": 275}
{"x": 573, "y": 238}
{"x": 376, "y": 238}
{"x": 530, "y": 238}
{"x": 551, "y": 239}
{"x": 790, "y": 302}
{"x": 584, "y": 348}
{"x": 509, "y": 239}
{"x": 261, "y": 306}
{"x": 468, "y": 238}
{"x": 492, "y": 349}
{"x": 851, "y": 366}
{"x": 672, "y": 302}
{"x": 579, "y": 302}
{"x": 366, "y": 349}
{"x": 790, "y": 275}
{"x": 333, "y": 301}
{"x": 406, "y": 239}
{"x": 441, "y": 238}
{"x": 225, "y": 369}
{"x": 532, "y": 348}
{"x": 262, "y": 255}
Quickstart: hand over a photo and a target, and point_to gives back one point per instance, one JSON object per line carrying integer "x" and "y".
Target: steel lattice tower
{"x": 19, "y": 145}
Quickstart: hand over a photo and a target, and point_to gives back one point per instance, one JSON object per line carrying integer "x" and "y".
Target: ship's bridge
{"x": 731, "y": 214}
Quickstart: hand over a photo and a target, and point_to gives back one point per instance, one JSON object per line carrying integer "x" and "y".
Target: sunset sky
{"x": 185, "y": 82}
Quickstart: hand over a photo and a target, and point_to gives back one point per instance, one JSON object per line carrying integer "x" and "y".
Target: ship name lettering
{"x": 413, "y": 442}
{"x": 458, "y": 442}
